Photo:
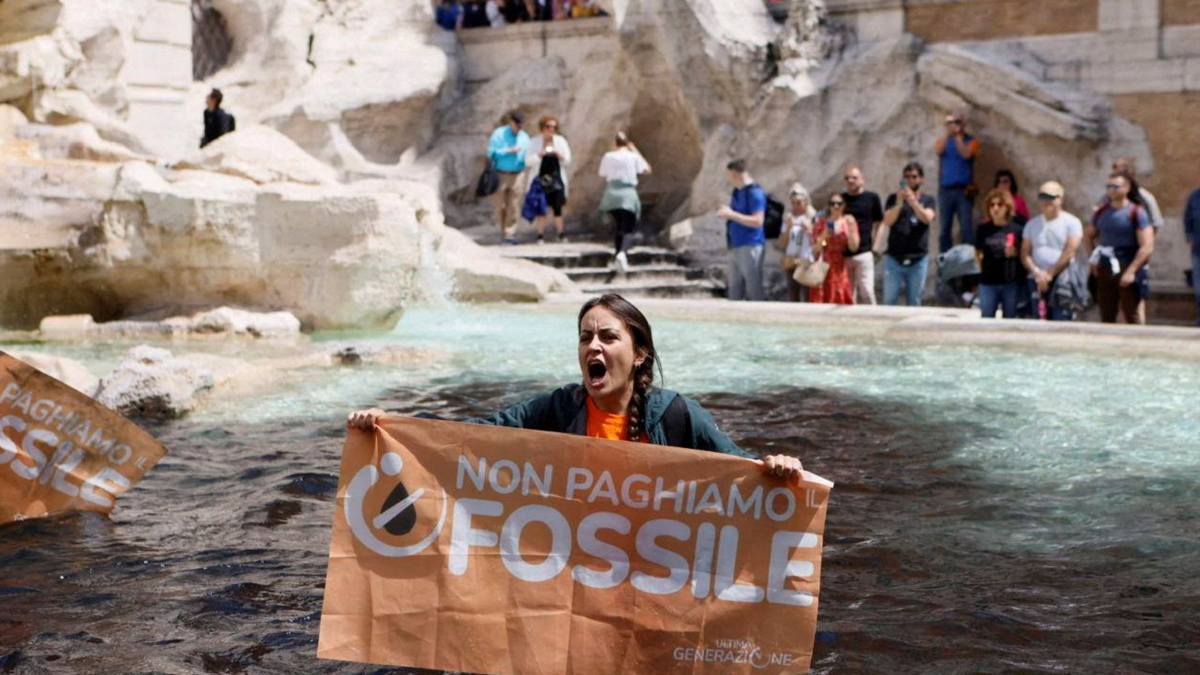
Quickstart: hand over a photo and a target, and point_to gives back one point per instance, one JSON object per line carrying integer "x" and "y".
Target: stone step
{"x": 641, "y": 273}
{"x": 700, "y": 288}
{"x": 587, "y": 255}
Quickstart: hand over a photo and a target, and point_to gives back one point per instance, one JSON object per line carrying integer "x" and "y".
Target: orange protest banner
{"x": 505, "y": 551}
{"x": 60, "y": 450}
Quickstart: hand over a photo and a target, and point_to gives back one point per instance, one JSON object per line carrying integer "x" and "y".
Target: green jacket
{"x": 671, "y": 419}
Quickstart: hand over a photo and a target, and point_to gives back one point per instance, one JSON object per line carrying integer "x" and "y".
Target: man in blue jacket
{"x": 506, "y": 152}
{"x": 1191, "y": 228}
{"x": 744, "y": 232}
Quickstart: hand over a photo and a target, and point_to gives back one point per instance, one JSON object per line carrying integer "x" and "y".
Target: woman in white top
{"x": 796, "y": 239}
{"x": 621, "y": 168}
{"x": 551, "y": 154}
{"x": 495, "y": 13}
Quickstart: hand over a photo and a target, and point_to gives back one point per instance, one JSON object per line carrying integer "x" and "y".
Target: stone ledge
{"x": 167, "y": 23}
{"x": 837, "y": 7}
{"x": 1181, "y": 41}
{"x": 1121, "y": 15}
{"x": 553, "y": 30}
{"x": 159, "y": 64}
{"x": 1136, "y": 77}
{"x": 1191, "y": 74}
{"x": 934, "y": 325}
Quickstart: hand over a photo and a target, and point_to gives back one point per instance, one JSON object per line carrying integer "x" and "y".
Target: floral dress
{"x": 837, "y": 289}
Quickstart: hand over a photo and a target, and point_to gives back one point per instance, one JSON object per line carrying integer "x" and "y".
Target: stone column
{"x": 158, "y": 74}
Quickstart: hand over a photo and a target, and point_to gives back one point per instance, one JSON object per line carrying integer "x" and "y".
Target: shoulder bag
{"x": 811, "y": 273}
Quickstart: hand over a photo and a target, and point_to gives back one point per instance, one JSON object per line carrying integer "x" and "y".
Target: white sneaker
{"x": 622, "y": 262}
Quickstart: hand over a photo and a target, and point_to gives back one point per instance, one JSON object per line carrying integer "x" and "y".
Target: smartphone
{"x": 903, "y": 183}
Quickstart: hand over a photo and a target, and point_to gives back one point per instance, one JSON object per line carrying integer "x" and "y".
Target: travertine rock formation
{"x": 362, "y": 123}
{"x": 114, "y": 239}
{"x": 92, "y": 220}
{"x": 152, "y": 383}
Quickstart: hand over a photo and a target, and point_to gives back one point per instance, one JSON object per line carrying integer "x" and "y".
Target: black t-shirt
{"x": 475, "y": 15}
{"x": 866, "y": 209}
{"x": 515, "y": 12}
{"x": 909, "y": 238}
{"x": 996, "y": 268}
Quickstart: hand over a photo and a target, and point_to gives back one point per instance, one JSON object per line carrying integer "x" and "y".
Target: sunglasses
{"x": 1113, "y": 186}
{"x": 837, "y": 203}
{"x": 1043, "y": 197}
{"x": 997, "y": 205}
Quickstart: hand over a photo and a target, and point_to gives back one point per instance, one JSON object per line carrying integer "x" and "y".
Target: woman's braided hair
{"x": 643, "y": 346}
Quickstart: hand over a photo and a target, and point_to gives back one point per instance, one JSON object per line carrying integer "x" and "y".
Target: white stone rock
{"x": 10, "y": 119}
{"x": 152, "y": 383}
{"x": 67, "y": 105}
{"x": 490, "y": 278}
{"x": 260, "y": 154}
{"x": 69, "y": 327}
{"x": 74, "y": 141}
{"x": 304, "y": 65}
{"x": 242, "y": 322}
{"x": 68, "y": 371}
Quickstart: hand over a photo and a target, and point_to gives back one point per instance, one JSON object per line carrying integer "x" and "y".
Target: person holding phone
{"x": 833, "y": 236}
{"x": 956, "y": 150}
{"x": 998, "y": 251}
{"x": 906, "y": 220}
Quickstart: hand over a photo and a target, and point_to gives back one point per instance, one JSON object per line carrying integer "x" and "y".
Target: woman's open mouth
{"x": 596, "y": 371}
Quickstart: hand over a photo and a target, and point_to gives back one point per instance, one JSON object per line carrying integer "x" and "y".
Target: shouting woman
{"x": 617, "y": 399}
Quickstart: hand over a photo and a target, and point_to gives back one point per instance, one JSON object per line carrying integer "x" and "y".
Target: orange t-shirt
{"x": 606, "y": 425}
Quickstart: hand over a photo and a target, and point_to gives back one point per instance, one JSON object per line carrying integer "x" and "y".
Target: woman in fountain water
{"x": 550, "y": 152}
{"x": 621, "y": 168}
{"x": 617, "y": 399}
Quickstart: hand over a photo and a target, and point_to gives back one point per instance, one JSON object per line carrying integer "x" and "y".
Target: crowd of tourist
{"x": 1025, "y": 266}
{"x": 459, "y": 14}
{"x": 545, "y": 159}
{"x": 1012, "y": 263}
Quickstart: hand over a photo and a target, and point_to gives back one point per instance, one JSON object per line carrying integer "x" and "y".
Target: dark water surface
{"x": 216, "y": 562}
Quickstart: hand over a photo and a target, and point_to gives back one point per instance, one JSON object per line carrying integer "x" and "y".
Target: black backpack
{"x": 489, "y": 182}
{"x": 773, "y": 218}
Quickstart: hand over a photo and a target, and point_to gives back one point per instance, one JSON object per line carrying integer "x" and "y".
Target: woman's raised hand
{"x": 783, "y": 466}
{"x": 364, "y": 420}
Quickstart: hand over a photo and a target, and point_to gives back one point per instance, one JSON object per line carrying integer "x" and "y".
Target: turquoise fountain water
{"x": 997, "y": 510}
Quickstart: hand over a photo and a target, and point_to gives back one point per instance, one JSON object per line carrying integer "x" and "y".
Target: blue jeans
{"x": 912, "y": 276}
{"x": 991, "y": 296}
{"x": 746, "y": 273}
{"x": 954, "y": 201}
{"x": 1196, "y": 280}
